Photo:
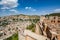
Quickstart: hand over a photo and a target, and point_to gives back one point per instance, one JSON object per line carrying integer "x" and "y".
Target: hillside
{"x": 17, "y": 18}
{"x": 54, "y": 14}
{"x": 22, "y": 16}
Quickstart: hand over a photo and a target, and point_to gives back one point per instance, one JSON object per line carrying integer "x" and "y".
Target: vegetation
{"x": 35, "y": 20}
{"x": 13, "y": 37}
{"x": 31, "y": 27}
{"x": 4, "y": 23}
{"x": 54, "y": 14}
{"x": 15, "y": 20}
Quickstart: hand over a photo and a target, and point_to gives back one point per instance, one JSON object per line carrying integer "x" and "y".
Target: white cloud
{"x": 5, "y": 8}
{"x": 13, "y": 10}
{"x": 44, "y": 12}
{"x": 30, "y": 8}
{"x": 57, "y": 10}
{"x": 34, "y": 10}
{"x": 51, "y": 11}
{"x": 8, "y": 4}
{"x": 26, "y": 7}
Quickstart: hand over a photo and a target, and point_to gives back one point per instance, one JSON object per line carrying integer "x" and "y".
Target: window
{"x": 58, "y": 21}
{"x": 54, "y": 17}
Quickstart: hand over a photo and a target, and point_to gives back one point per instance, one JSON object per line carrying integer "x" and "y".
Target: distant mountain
{"x": 53, "y": 14}
{"x": 19, "y": 17}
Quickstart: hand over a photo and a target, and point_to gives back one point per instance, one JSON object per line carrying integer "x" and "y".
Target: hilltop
{"x": 21, "y": 16}
{"x": 17, "y": 18}
{"x": 53, "y": 14}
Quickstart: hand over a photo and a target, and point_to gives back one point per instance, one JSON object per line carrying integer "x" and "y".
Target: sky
{"x": 28, "y": 7}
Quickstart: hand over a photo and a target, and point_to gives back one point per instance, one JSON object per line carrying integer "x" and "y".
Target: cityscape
{"x": 29, "y": 19}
